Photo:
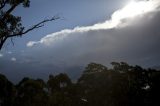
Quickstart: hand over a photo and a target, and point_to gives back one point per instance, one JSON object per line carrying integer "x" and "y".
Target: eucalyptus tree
{"x": 10, "y": 24}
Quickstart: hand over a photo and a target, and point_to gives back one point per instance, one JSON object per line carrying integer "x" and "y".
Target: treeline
{"x": 122, "y": 85}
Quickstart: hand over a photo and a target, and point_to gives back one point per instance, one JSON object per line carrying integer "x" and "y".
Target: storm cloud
{"x": 120, "y": 18}
{"x": 133, "y": 38}
{"x": 130, "y": 35}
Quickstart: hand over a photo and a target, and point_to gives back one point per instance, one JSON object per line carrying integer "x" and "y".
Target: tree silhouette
{"x": 31, "y": 93}
{"x": 11, "y": 25}
{"x": 6, "y": 91}
{"x": 122, "y": 85}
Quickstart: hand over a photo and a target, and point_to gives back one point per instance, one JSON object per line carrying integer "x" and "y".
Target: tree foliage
{"x": 11, "y": 25}
{"x": 122, "y": 85}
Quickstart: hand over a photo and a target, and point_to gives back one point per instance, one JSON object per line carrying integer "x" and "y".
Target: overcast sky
{"x": 99, "y": 31}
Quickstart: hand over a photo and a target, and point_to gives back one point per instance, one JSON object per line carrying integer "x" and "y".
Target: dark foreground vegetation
{"x": 123, "y": 85}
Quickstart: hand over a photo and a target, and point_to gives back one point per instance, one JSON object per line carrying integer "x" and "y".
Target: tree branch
{"x": 3, "y": 4}
{"x": 2, "y": 42}
{"x": 8, "y": 12}
{"x": 40, "y": 24}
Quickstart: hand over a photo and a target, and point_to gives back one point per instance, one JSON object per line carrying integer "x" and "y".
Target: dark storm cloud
{"x": 136, "y": 42}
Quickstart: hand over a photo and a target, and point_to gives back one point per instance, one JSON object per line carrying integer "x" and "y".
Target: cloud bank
{"x": 131, "y": 35}
{"x": 130, "y": 11}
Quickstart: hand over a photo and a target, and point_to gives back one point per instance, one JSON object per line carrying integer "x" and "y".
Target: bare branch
{"x": 11, "y": 25}
{"x": 20, "y": 33}
{"x": 40, "y": 24}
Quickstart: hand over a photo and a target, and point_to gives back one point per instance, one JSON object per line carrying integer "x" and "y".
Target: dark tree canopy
{"x": 11, "y": 25}
{"x": 122, "y": 85}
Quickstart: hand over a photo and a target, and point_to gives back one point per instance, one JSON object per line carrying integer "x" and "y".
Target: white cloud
{"x": 13, "y": 59}
{"x": 31, "y": 43}
{"x": 1, "y": 55}
{"x": 130, "y": 11}
{"x": 134, "y": 9}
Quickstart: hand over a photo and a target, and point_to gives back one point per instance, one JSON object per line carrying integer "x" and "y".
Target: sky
{"x": 88, "y": 31}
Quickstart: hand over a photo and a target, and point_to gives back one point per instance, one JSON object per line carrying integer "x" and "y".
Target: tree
{"x": 31, "y": 92}
{"x": 11, "y": 25}
{"x": 94, "y": 68}
{"x": 123, "y": 85}
{"x": 6, "y": 91}
{"x": 97, "y": 86}
{"x": 121, "y": 67}
{"x": 59, "y": 90}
